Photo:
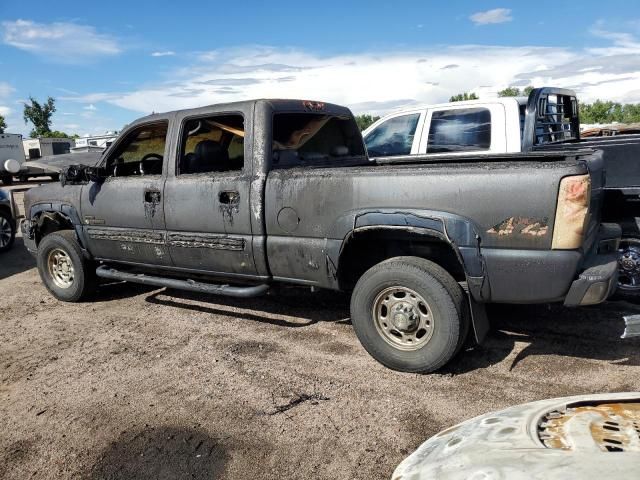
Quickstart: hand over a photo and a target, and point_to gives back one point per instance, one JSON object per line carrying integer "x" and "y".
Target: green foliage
{"x": 58, "y": 134}
{"x": 364, "y": 121}
{"x": 516, "y": 92}
{"x": 509, "y": 92}
{"x": 609, "y": 112}
{"x": 39, "y": 115}
{"x": 3, "y": 124}
{"x": 464, "y": 96}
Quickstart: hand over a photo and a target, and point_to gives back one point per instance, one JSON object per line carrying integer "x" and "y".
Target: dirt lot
{"x": 144, "y": 383}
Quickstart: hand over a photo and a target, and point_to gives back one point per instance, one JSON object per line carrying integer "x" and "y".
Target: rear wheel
{"x": 7, "y": 231}
{"x": 629, "y": 269}
{"x": 63, "y": 268}
{"x": 409, "y": 314}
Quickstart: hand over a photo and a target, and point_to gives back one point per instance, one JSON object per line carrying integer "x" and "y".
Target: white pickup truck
{"x": 547, "y": 119}
{"x": 479, "y": 126}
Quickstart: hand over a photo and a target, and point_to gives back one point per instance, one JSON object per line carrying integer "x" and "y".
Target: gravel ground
{"x": 153, "y": 383}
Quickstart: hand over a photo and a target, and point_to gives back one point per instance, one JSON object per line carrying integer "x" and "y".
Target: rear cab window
{"x": 459, "y": 130}
{"x": 315, "y": 139}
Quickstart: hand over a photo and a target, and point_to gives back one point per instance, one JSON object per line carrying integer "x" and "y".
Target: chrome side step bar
{"x": 190, "y": 285}
{"x": 631, "y": 326}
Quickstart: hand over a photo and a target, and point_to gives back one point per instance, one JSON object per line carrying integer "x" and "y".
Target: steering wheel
{"x": 148, "y": 156}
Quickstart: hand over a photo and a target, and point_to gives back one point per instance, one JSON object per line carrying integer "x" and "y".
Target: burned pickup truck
{"x": 235, "y": 199}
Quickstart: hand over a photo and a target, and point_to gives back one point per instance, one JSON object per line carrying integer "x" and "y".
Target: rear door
{"x": 207, "y": 201}
{"x": 123, "y": 215}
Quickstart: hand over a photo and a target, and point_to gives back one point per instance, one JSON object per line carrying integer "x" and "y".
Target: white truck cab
{"x": 479, "y": 126}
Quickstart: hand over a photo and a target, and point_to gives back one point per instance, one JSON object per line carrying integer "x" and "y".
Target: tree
{"x": 3, "y": 124}
{"x": 516, "y": 92}
{"x": 600, "y": 112}
{"x": 39, "y": 115}
{"x": 364, "y": 121}
{"x": 58, "y": 134}
{"x": 464, "y": 96}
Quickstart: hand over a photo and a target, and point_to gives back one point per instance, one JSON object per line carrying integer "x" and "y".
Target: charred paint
{"x": 133, "y": 236}
{"x": 215, "y": 242}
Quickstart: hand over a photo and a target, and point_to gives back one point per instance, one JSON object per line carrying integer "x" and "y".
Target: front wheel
{"x": 409, "y": 314}
{"x": 63, "y": 269}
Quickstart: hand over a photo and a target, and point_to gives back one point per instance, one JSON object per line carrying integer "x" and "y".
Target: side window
{"x": 141, "y": 152}
{"x": 212, "y": 144}
{"x": 460, "y": 130}
{"x": 393, "y": 137}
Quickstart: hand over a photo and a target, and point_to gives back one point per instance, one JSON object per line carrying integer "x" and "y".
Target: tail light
{"x": 572, "y": 212}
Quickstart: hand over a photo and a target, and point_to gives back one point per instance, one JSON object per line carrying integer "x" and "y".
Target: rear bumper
{"x": 599, "y": 279}
{"x": 596, "y": 283}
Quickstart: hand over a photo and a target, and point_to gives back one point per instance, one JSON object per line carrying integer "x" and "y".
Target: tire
{"x": 7, "y": 180}
{"x": 7, "y": 231}
{"x": 424, "y": 292}
{"x": 629, "y": 270}
{"x": 55, "y": 252}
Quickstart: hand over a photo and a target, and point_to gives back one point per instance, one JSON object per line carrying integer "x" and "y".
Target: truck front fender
{"x": 65, "y": 212}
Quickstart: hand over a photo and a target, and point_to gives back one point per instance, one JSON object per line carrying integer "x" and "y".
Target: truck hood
{"x": 56, "y": 163}
{"x": 586, "y": 437}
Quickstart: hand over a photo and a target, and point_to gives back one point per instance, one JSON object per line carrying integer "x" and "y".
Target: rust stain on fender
{"x": 533, "y": 227}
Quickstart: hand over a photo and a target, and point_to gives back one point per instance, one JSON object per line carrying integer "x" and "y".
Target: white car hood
{"x": 581, "y": 437}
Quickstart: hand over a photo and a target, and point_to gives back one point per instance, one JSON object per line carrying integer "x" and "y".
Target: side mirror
{"x": 81, "y": 175}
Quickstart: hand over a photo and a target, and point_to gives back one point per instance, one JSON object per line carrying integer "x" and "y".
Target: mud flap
{"x": 479, "y": 319}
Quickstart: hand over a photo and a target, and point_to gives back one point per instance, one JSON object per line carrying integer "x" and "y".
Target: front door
{"x": 207, "y": 200}
{"x": 123, "y": 215}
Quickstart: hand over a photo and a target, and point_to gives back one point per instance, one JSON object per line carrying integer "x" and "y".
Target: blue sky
{"x": 107, "y": 63}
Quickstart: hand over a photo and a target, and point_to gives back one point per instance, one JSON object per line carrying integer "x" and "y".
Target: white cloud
{"x": 383, "y": 81}
{"x": 167, "y": 53}
{"x": 59, "y": 41}
{"x": 91, "y": 107}
{"x": 5, "y": 89}
{"x": 5, "y": 111}
{"x": 497, "y": 15}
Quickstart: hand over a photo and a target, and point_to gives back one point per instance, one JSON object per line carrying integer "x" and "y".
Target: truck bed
{"x": 622, "y": 160}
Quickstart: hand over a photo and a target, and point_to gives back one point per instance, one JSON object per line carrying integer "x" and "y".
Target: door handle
{"x": 151, "y": 196}
{"x": 229, "y": 198}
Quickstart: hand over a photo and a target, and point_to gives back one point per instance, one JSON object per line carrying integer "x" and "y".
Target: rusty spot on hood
{"x": 607, "y": 427}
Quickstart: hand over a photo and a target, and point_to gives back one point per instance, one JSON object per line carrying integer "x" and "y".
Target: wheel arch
{"x": 455, "y": 238}
{"x": 47, "y": 218}
{"x": 449, "y": 240}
